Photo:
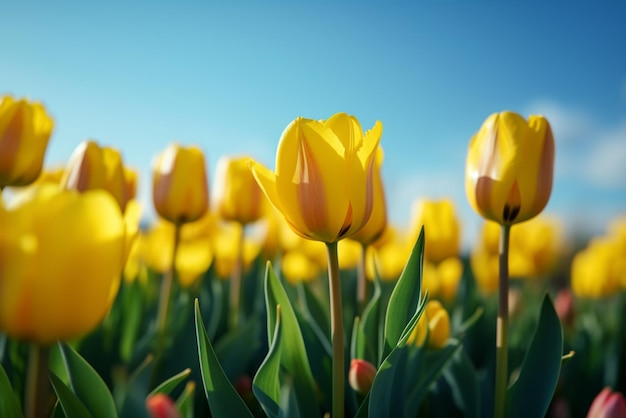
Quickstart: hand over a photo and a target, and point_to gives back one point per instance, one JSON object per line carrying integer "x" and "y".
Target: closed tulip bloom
{"x": 441, "y": 228}
{"x": 94, "y": 167}
{"x": 433, "y": 327}
{"x": 324, "y": 179}
{"x": 595, "y": 270}
{"x": 179, "y": 184}
{"x": 25, "y": 130}
{"x": 377, "y": 222}
{"x": 61, "y": 253}
{"x": 361, "y": 375}
{"x": 510, "y": 164}
{"x": 608, "y": 404}
{"x": 237, "y": 195}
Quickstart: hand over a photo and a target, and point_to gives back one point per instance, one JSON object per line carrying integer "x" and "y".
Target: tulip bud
{"x": 237, "y": 195}
{"x": 25, "y": 130}
{"x": 433, "y": 326}
{"x": 361, "y": 375}
{"x": 510, "y": 164}
{"x": 608, "y": 404}
{"x": 93, "y": 167}
{"x": 564, "y": 306}
{"x": 161, "y": 406}
{"x": 441, "y": 228}
{"x": 324, "y": 179}
{"x": 179, "y": 184}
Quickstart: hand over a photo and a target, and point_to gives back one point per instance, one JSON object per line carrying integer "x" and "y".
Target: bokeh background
{"x": 230, "y": 77}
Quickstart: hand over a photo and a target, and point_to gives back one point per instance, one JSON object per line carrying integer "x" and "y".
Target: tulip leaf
{"x": 224, "y": 401}
{"x": 293, "y": 351}
{"x": 9, "y": 404}
{"x": 132, "y": 304}
{"x": 168, "y": 386}
{"x": 266, "y": 383}
{"x": 406, "y": 297}
{"x": 184, "y": 403}
{"x": 133, "y": 399}
{"x": 464, "y": 384}
{"x": 236, "y": 348}
{"x": 87, "y": 384}
{"x": 368, "y": 336}
{"x": 71, "y": 405}
{"x": 532, "y": 393}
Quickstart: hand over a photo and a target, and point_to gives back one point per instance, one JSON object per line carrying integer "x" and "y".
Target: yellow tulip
{"x": 441, "y": 228}
{"x": 442, "y": 279}
{"x": 25, "y": 130}
{"x": 237, "y": 196}
{"x": 131, "y": 177}
{"x": 227, "y": 241}
{"x": 296, "y": 266}
{"x": 485, "y": 268}
{"x": 61, "y": 253}
{"x": 94, "y": 167}
{"x": 349, "y": 252}
{"x": 596, "y": 270}
{"x": 179, "y": 184}
{"x": 433, "y": 327}
{"x": 377, "y": 222}
{"x": 388, "y": 255}
{"x": 510, "y": 164}
{"x": 324, "y": 179}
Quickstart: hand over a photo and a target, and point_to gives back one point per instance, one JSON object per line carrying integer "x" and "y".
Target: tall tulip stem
{"x": 37, "y": 384}
{"x": 164, "y": 303}
{"x": 502, "y": 325}
{"x": 336, "y": 326}
{"x": 235, "y": 281}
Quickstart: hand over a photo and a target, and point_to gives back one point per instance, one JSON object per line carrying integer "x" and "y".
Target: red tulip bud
{"x": 361, "y": 375}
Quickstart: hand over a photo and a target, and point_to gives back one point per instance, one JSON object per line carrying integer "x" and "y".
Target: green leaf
{"x": 87, "y": 384}
{"x": 368, "y": 338}
{"x": 9, "y": 404}
{"x": 223, "y": 399}
{"x": 184, "y": 403}
{"x": 168, "y": 386}
{"x": 132, "y": 399}
{"x": 531, "y": 394}
{"x": 293, "y": 351}
{"x": 236, "y": 349}
{"x": 72, "y": 406}
{"x": 464, "y": 384}
{"x": 406, "y": 297}
{"x": 132, "y": 305}
{"x": 266, "y": 383}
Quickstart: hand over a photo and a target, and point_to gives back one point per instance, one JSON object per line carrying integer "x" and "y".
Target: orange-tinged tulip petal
{"x": 179, "y": 184}
{"x": 376, "y": 224}
{"x": 61, "y": 253}
{"x": 25, "y": 130}
{"x": 509, "y": 169}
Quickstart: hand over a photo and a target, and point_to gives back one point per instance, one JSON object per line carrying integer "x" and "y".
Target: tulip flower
{"x": 387, "y": 256}
{"x": 441, "y": 228}
{"x": 442, "y": 279}
{"x": 324, "y": 179}
{"x": 608, "y": 404}
{"x": 179, "y": 184}
{"x": 510, "y": 164}
{"x": 25, "y": 130}
{"x": 60, "y": 254}
{"x": 94, "y": 167}
{"x": 361, "y": 375}
{"x": 433, "y": 327}
{"x": 237, "y": 196}
{"x": 161, "y": 406}
{"x": 596, "y": 269}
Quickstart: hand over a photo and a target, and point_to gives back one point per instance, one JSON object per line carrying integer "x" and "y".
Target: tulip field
{"x": 286, "y": 292}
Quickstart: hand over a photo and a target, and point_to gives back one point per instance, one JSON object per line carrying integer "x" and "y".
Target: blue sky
{"x": 231, "y": 76}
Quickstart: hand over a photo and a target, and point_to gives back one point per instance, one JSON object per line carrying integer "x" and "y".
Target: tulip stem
{"x": 235, "y": 281}
{"x": 164, "y": 303}
{"x": 336, "y": 327}
{"x": 361, "y": 284}
{"x": 36, "y": 401}
{"x": 502, "y": 325}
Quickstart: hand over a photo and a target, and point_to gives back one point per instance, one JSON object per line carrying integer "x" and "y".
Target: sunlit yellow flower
{"x": 179, "y": 184}
{"x": 441, "y": 280}
{"x": 237, "y": 196}
{"x": 596, "y": 269}
{"x": 324, "y": 179}
{"x": 193, "y": 256}
{"x": 349, "y": 252}
{"x": 94, "y": 167}
{"x": 485, "y": 268}
{"x": 388, "y": 255}
{"x": 510, "y": 164}
{"x": 227, "y": 241}
{"x": 377, "y": 222}
{"x": 61, "y": 253}
{"x": 131, "y": 178}
{"x": 433, "y": 327}
{"x": 441, "y": 228}
{"x": 25, "y": 130}
{"x": 296, "y": 266}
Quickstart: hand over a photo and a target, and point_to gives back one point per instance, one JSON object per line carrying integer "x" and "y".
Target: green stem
{"x": 36, "y": 401}
{"x": 502, "y": 325}
{"x": 164, "y": 303}
{"x": 235, "y": 282}
{"x": 361, "y": 284}
{"x": 336, "y": 327}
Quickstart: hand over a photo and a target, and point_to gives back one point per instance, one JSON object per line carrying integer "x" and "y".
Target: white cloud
{"x": 567, "y": 123}
{"x": 606, "y": 163}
